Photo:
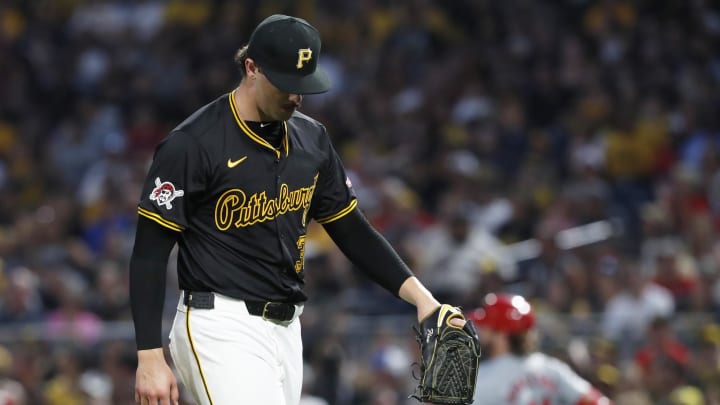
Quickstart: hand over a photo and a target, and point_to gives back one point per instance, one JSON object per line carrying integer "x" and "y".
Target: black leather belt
{"x": 273, "y": 311}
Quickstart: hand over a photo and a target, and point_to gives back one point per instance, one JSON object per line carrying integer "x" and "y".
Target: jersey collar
{"x": 252, "y": 135}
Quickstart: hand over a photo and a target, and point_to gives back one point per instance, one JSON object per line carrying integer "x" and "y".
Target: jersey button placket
{"x": 277, "y": 193}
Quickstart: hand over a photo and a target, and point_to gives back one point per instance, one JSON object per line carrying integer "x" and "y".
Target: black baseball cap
{"x": 287, "y": 50}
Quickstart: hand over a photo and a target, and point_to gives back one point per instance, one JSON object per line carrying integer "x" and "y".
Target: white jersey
{"x": 535, "y": 379}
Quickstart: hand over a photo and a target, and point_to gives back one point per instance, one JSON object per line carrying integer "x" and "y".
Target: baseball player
{"x": 235, "y": 186}
{"x": 512, "y": 374}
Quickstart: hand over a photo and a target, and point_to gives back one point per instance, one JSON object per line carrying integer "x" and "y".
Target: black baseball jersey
{"x": 242, "y": 206}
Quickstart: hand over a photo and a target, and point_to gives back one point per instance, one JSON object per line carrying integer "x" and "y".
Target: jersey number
{"x": 299, "y": 264}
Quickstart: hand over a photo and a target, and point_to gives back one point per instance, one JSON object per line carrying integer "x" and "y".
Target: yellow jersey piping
{"x": 252, "y": 135}
{"x": 339, "y": 214}
{"x": 160, "y": 220}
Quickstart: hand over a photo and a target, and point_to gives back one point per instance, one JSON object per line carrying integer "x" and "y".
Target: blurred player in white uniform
{"x": 515, "y": 375}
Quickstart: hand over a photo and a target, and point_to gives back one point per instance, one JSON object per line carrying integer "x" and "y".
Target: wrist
{"x": 151, "y": 354}
{"x": 415, "y": 293}
{"x": 425, "y": 310}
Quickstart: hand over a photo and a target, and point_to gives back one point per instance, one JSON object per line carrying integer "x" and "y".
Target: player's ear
{"x": 251, "y": 69}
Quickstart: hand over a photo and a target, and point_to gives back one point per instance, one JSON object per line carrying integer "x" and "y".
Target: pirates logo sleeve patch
{"x": 164, "y": 193}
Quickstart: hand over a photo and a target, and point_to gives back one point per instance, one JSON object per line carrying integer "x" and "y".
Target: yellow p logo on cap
{"x": 304, "y": 55}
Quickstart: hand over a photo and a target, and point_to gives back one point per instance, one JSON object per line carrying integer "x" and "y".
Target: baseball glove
{"x": 450, "y": 358}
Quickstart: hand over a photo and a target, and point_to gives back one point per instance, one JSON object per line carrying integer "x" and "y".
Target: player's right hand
{"x": 154, "y": 381}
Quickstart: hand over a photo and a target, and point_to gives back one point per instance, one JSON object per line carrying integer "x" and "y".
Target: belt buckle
{"x": 264, "y": 313}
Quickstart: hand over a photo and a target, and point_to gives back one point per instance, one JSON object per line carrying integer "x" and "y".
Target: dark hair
{"x": 240, "y": 57}
{"x": 519, "y": 344}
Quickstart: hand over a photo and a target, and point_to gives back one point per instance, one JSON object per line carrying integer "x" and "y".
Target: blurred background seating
{"x": 565, "y": 150}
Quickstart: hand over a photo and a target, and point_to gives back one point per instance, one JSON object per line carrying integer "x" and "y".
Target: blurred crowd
{"x": 485, "y": 139}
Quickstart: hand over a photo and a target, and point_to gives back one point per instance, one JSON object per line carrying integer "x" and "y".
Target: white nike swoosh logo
{"x": 264, "y": 124}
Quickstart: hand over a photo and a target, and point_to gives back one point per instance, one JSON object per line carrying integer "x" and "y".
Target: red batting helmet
{"x": 504, "y": 313}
